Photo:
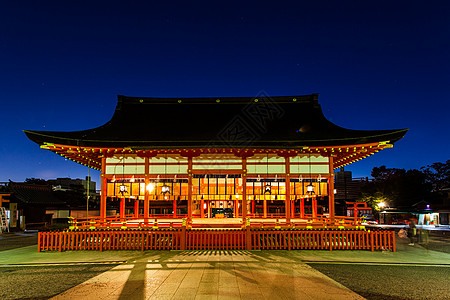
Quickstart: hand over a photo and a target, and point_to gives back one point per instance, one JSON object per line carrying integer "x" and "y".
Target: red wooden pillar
{"x": 189, "y": 199}
{"x": 331, "y": 189}
{"x": 236, "y": 208}
{"x": 146, "y": 195}
{"x": 253, "y": 206}
{"x": 202, "y": 208}
{"x": 122, "y": 208}
{"x": 293, "y": 208}
{"x": 244, "y": 187}
{"x": 287, "y": 184}
{"x": 302, "y": 208}
{"x": 174, "y": 207}
{"x": 314, "y": 207}
{"x": 136, "y": 208}
{"x": 264, "y": 207}
{"x": 103, "y": 190}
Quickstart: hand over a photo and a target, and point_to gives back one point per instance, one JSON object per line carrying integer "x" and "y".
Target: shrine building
{"x": 227, "y": 157}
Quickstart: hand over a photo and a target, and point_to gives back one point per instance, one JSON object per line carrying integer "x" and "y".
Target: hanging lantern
{"x": 123, "y": 189}
{"x": 267, "y": 189}
{"x": 310, "y": 188}
{"x": 165, "y": 189}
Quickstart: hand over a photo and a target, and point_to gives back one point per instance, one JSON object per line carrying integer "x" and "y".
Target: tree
{"x": 438, "y": 174}
{"x": 396, "y": 187}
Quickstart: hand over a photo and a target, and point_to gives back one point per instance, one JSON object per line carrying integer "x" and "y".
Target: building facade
{"x": 239, "y": 157}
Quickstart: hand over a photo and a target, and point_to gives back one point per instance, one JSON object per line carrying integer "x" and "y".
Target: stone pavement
{"x": 217, "y": 274}
{"x": 211, "y": 275}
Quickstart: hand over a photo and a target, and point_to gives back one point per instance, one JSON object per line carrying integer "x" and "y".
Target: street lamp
{"x": 381, "y": 205}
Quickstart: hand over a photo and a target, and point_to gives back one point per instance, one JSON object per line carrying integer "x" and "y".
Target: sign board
{"x": 12, "y": 214}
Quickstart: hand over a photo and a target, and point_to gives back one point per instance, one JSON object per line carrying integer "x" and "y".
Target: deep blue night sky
{"x": 376, "y": 65}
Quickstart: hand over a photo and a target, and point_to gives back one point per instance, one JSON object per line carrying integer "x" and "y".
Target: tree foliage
{"x": 438, "y": 174}
{"x": 397, "y": 187}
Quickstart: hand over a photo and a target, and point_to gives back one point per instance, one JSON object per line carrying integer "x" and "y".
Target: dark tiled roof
{"x": 230, "y": 122}
{"x": 33, "y": 193}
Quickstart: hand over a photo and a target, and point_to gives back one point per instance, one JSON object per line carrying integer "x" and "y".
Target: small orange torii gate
{"x": 357, "y": 206}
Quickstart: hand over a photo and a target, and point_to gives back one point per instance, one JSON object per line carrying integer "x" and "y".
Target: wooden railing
{"x": 216, "y": 239}
{"x": 161, "y": 222}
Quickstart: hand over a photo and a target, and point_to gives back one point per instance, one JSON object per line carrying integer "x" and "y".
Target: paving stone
{"x": 204, "y": 275}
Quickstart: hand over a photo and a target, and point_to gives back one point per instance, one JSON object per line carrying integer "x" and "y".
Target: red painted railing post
{"x": 371, "y": 241}
{"x": 60, "y": 242}
{"x": 248, "y": 238}
{"x": 330, "y": 240}
{"x": 289, "y": 240}
{"x": 183, "y": 236}
{"x": 393, "y": 241}
{"x": 39, "y": 241}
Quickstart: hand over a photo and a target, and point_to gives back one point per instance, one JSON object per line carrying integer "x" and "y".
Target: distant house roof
{"x": 33, "y": 194}
{"x": 225, "y": 122}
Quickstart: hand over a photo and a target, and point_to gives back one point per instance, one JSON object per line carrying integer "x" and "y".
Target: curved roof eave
{"x": 276, "y": 122}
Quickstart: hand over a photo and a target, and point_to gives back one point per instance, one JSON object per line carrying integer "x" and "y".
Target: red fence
{"x": 216, "y": 239}
{"x": 130, "y": 222}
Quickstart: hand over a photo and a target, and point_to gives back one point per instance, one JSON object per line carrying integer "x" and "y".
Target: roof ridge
{"x": 310, "y": 98}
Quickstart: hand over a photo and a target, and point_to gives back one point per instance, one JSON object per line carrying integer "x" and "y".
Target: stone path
{"x": 211, "y": 275}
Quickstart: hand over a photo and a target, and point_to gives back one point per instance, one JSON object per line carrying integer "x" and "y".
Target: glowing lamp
{"x": 150, "y": 187}
{"x": 123, "y": 189}
{"x": 165, "y": 189}
{"x": 310, "y": 188}
{"x": 267, "y": 189}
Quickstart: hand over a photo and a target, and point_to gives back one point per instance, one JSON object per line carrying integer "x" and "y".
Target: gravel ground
{"x": 391, "y": 282}
{"x": 43, "y": 282}
{"x": 435, "y": 240}
{"x": 10, "y": 241}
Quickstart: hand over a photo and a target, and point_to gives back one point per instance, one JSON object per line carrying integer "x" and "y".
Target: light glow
{"x": 150, "y": 187}
{"x": 267, "y": 189}
{"x": 165, "y": 189}
{"x": 122, "y": 189}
